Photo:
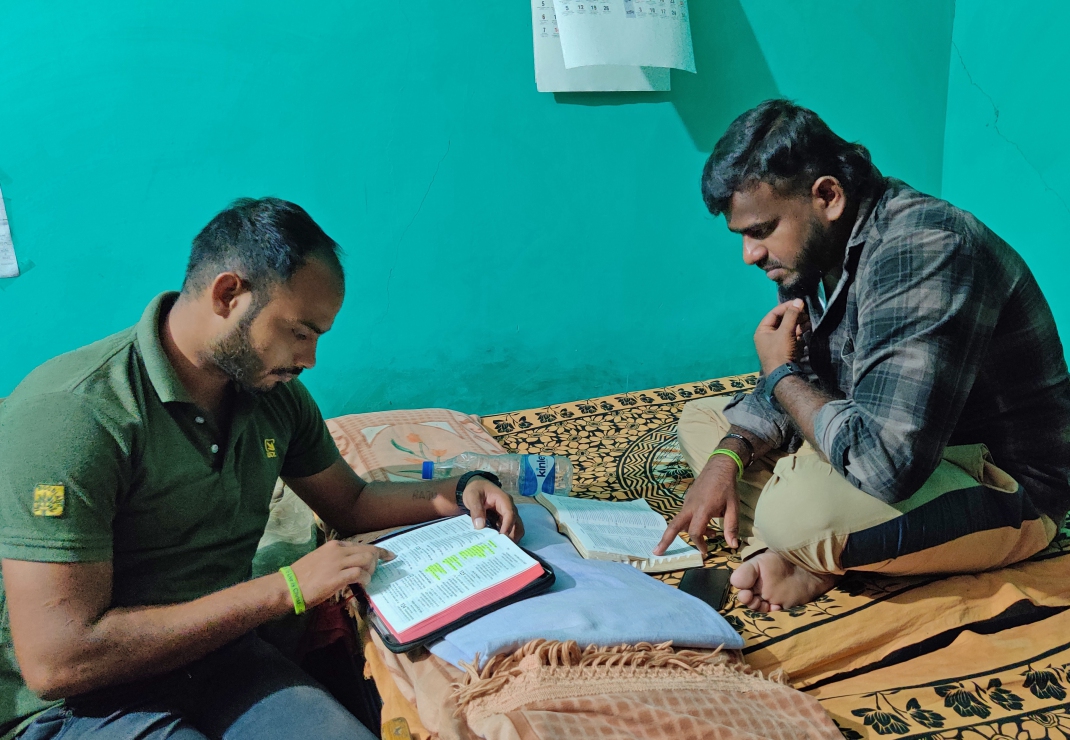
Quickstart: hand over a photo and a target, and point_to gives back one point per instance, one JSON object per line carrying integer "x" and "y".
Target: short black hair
{"x": 264, "y": 240}
{"x": 787, "y": 146}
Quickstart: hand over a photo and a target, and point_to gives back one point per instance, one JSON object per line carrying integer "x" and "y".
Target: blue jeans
{"x": 246, "y": 689}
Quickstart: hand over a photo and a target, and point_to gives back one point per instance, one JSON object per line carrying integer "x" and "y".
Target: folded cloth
{"x": 592, "y": 602}
{"x": 553, "y": 690}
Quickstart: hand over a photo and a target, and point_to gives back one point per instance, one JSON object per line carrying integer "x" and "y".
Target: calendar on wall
{"x": 611, "y": 45}
{"x": 9, "y": 265}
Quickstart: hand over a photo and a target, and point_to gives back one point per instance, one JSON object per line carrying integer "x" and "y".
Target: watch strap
{"x": 770, "y": 382}
{"x": 462, "y": 483}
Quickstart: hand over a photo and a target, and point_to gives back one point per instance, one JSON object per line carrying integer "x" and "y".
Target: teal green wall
{"x": 1005, "y": 155}
{"x": 505, "y": 248}
{"x": 875, "y": 71}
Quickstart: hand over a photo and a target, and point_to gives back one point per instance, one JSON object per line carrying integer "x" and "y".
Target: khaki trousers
{"x": 969, "y": 515}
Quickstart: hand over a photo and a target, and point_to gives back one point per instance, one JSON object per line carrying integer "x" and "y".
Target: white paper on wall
{"x": 634, "y": 33}
{"x": 552, "y": 76}
{"x": 9, "y": 265}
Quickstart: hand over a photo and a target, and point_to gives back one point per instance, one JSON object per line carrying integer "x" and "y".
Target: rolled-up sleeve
{"x": 924, "y": 321}
{"x": 752, "y": 412}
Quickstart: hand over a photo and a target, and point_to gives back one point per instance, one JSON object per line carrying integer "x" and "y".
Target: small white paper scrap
{"x": 9, "y": 265}
{"x": 552, "y": 76}
{"x": 634, "y": 33}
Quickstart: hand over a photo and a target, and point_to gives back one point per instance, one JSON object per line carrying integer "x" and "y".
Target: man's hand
{"x": 350, "y": 505}
{"x": 484, "y": 499}
{"x": 778, "y": 338}
{"x": 331, "y": 567}
{"x": 69, "y": 639}
{"x": 713, "y": 494}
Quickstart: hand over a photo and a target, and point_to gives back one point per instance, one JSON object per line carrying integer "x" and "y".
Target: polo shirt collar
{"x": 161, "y": 372}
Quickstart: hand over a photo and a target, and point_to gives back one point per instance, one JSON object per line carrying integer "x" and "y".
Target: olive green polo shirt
{"x": 104, "y": 456}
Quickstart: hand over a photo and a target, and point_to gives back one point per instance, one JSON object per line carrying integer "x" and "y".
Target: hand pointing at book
{"x": 488, "y": 503}
{"x": 334, "y": 565}
{"x": 713, "y": 494}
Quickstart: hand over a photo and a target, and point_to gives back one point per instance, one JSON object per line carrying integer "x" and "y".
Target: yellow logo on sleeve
{"x": 48, "y": 500}
{"x": 269, "y": 448}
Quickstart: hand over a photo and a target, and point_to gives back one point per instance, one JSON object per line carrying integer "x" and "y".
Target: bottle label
{"x": 537, "y": 474}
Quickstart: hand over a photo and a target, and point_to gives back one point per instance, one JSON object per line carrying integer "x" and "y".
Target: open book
{"x": 624, "y": 531}
{"x": 447, "y": 573}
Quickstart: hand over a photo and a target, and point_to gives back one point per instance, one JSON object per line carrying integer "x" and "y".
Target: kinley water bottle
{"x": 523, "y": 474}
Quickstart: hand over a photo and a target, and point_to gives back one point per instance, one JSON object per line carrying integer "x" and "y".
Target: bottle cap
{"x": 428, "y": 470}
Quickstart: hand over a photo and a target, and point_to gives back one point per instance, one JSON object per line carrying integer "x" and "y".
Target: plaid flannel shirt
{"x": 937, "y": 334}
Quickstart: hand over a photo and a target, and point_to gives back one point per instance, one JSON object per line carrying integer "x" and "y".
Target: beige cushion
{"x": 392, "y": 445}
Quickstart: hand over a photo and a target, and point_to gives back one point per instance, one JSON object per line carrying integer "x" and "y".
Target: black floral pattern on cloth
{"x": 971, "y": 709}
{"x": 624, "y": 446}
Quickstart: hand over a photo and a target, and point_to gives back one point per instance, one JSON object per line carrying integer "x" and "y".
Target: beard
{"x": 810, "y": 267}
{"x": 235, "y": 357}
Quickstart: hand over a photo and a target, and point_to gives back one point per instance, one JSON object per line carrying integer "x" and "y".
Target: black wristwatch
{"x": 770, "y": 381}
{"x": 462, "y": 483}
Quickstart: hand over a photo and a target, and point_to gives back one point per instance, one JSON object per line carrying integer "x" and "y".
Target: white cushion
{"x": 592, "y": 602}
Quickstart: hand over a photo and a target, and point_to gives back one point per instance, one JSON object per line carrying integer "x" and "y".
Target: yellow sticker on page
{"x": 48, "y": 500}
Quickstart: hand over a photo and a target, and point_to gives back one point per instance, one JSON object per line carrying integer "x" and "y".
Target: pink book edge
{"x": 486, "y": 597}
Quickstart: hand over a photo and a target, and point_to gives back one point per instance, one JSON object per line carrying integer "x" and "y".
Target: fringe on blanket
{"x": 545, "y": 670}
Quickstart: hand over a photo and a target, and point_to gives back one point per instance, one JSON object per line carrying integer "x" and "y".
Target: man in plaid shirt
{"x": 912, "y": 352}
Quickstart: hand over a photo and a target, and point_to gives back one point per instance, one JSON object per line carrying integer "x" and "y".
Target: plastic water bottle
{"x": 523, "y": 474}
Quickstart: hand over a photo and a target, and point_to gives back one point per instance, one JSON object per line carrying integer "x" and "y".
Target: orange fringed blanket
{"x": 549, "y": 689}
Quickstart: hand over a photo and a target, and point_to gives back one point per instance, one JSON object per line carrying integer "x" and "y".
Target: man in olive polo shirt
{"x": 135, "y": 478}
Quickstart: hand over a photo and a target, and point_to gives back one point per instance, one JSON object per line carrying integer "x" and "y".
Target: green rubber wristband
{"x": 734, "y": 456}
{"x": 295, "y": 590}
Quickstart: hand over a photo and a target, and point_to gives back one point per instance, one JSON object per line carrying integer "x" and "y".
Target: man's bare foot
{"x": 768, "y": 583}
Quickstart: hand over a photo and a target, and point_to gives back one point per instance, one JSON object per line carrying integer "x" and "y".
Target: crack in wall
{"x": 995, "y": 125}
{"x": 397, "y": 247}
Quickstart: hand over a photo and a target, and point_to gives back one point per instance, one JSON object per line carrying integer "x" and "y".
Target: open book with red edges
{"x": 447, "y": 574}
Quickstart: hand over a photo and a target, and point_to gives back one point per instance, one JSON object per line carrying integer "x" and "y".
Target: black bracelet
{"x": 462, "y": 483}
{"x": 746, "y": 443}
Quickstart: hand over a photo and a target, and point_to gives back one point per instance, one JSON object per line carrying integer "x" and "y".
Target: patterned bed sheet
{"x": 887, "y": 657}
